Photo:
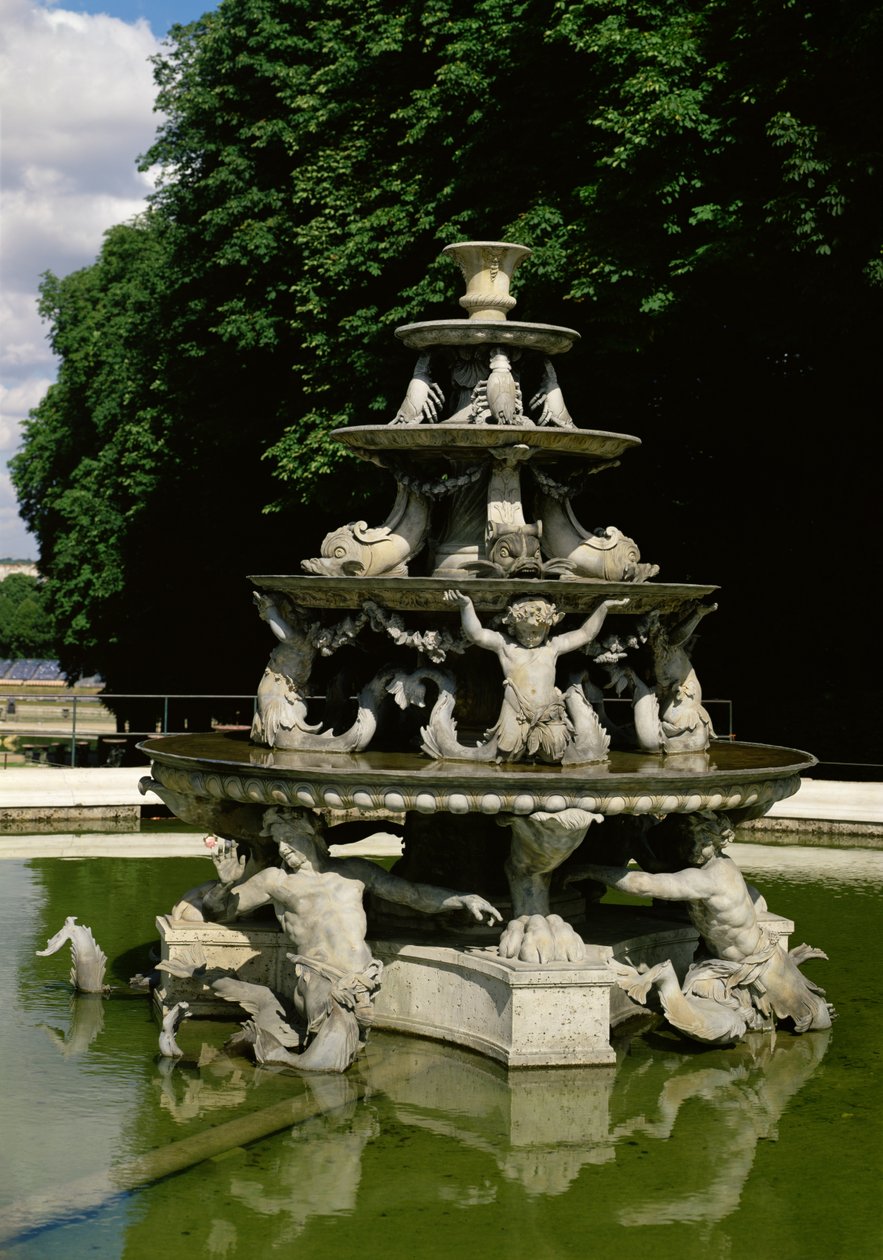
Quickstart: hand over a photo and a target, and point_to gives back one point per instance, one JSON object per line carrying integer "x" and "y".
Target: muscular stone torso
{"x": 323, "y": 915}
{"x": 726, "y": 918}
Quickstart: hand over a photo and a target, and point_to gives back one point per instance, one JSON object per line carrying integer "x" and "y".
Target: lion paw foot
{"x": 541, "y": 938}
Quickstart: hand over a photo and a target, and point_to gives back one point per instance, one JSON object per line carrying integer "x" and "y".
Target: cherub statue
{"x": 318, "y": 901}
{"x": 533, "y": 722}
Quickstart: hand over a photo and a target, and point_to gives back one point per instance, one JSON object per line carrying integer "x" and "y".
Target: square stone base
{"x": 521, "y": 1014}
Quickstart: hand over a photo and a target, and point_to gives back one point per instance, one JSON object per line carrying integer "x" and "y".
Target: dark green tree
{"x": 141, "y": 474}
{"x": 26, "y": 628}
{"x": 701, "y": 183}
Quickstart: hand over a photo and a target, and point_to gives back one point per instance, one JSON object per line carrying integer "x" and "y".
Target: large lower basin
{"x": 225, "y": 766}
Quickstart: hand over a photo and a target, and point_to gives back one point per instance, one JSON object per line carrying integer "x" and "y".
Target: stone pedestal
{"x": 521, "y": 1014}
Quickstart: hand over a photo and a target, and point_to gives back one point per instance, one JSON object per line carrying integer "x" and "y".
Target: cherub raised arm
{"x": 269, "y": 612}
{"x": 533, "y": 721}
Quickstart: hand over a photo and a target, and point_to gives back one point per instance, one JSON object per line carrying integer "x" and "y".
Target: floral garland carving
{"x": 436, "y": 644}
{"x": 561, "y": 490}
{"x": 435, "y": 489}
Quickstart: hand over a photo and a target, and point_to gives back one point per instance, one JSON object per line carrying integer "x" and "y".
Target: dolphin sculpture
{"x": 87, "y": 958}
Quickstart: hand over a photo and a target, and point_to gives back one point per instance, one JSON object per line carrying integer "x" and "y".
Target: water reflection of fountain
{"x": 537, "y": 1130}
{"x": 316, "y": 1168}
{"x": 87, "y": 1021}
{"x": 680, "y": 1125}
{"x": 742, "y": 1100}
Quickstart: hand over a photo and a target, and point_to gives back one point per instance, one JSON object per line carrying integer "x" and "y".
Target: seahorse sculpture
{"x": 172, "y": 1020}
{"x": 88, "y": 960}
{"x": 668, "y": 717}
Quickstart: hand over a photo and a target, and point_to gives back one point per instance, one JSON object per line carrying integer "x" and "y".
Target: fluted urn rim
{"x": 525, "y": 249}
{"x": 487, "y": 267}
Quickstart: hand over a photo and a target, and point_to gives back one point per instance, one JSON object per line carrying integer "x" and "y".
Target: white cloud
{"x": 24, "y": 348}
{"x": 77, "y": 112}
{"x": 16, "y": 402}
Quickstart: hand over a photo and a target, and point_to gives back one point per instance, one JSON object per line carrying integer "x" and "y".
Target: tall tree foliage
{"x": 700, "y": 181}
{"x": 26, "y": 629}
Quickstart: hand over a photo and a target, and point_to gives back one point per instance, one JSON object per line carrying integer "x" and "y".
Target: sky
{"x": 76, "y": 110}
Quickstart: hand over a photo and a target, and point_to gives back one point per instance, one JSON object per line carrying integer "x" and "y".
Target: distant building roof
{"x": 31, "y": 669}
{"x": 8, "y": 567}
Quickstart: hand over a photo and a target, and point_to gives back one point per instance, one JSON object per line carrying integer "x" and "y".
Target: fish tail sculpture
{"x": 172, "y": 1020}
{"x": 88, "y": 960}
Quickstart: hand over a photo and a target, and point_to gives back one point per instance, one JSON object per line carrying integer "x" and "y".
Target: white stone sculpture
{"x": 267, "y": 1033}
{"x": 482, "y": 553}
{"x": 549, "y": 400}
{"x": 488, "y": 268}
{"x": 716, "y": 1021}
{"x": 541, "y": 841}
{"x": 602, "y": 553}
{"x": 358, "y": 550}
{"x": 171, "y": 1022}
{"x": 318, "y": 901}
{"x": 534, "y": 722}
{"x": 749, "y": 979}
{"x": 423, "y": 399}
{"x": 494, "y": 396}
{"x": 88, "y": 960}
{"x": 684, "y": 723}
{"x": 669, "y": 717}
{"x": 280, "y": 720}
{"x": 282, "y": 705}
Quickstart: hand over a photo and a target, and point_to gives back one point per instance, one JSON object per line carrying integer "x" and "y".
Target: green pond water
{"x": 769, "y": 1149}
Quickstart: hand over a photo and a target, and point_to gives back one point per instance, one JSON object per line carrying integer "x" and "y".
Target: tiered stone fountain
{"x": 445, "y": 674}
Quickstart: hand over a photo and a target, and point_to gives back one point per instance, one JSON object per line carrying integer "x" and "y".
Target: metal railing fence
{"x": 74, "y": 721}
{"x": 78, "y": 720}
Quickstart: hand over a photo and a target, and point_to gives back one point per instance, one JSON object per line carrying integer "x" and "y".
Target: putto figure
{"x": 534, "y": 722}
{"x": 318, "y": 901}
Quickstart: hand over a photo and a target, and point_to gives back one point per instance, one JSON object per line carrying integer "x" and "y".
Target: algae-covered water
{"x": 769, "y": 1149}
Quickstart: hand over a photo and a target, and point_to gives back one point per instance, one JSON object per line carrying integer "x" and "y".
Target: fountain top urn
{"x": 487, "y": 267}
